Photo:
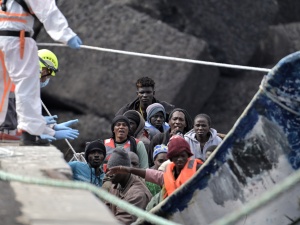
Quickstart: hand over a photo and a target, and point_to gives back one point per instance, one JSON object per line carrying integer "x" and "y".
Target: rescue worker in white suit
{"x": 19, "y": 61}
{"x": 48, "y": 63}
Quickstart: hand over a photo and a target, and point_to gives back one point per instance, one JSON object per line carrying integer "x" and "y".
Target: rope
{"x": 104, "y": 195}
{"x": 164, "y": 57}
{"x": 70, "y": 146}
{"x": 268, "y": 196}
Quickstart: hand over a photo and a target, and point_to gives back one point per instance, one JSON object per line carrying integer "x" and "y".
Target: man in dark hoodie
{"x": 145, "y": 97}
{"x": 137, "y": 124}
{"x": 180, "y": 123}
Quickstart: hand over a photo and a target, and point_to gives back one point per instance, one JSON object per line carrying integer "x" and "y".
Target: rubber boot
{"x": 32, "y": 140}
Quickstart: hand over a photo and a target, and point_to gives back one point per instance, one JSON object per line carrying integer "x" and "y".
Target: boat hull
{"x": 259, "y": 152}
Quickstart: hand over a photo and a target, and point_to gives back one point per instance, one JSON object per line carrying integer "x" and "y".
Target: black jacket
{"x": 136, "y": 104}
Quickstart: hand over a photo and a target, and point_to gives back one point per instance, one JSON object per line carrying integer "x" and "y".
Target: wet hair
{"x": 145, "y": 82}
{"x": 204, "y": 116}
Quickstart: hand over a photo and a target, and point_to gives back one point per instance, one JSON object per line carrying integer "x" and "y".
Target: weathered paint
{"x": 260, "y": 151}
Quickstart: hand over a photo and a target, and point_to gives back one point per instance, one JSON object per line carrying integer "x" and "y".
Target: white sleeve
{"x": 49, "y": 131}
{"x": 52, "y": 18}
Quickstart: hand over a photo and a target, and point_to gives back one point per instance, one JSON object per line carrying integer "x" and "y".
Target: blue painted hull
{"x": 260, "y": 151}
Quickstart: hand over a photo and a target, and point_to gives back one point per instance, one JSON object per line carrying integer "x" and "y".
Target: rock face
{"x": 280, "y": 41}
{"x": 92, "y": 85}
{"x": 99, "y": 83}
{"x": 231, "y": 28}
{"x": 288, "y": 12}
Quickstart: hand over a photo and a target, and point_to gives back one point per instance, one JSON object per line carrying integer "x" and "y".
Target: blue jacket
{"x": 83, "y": 172}
{"x": 152, "y": 131}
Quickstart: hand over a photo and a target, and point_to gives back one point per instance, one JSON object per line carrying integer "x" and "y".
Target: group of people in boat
{"x": 153, "y": 149}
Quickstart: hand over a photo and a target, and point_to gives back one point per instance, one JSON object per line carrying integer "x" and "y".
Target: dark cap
{"x": 119, "y": 157}
{"x": 117, "y": 119}
{"x": 94, "y": 145}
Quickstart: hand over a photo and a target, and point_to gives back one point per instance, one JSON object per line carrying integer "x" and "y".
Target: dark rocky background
{"x": 93, "y": 85}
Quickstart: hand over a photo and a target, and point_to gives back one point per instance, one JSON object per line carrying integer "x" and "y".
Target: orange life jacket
{"x": 110, "y": 147}
{"x": 188, "y": 170}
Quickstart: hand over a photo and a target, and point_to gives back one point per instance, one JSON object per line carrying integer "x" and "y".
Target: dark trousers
{"x": 11, "y": 121}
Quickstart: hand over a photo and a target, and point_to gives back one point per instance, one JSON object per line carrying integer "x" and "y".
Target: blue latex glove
{"x": 50, "y": 119}
{"x": 48, "y": 137}
{"x": 65, "y": 125}
{"x": 74, "y": 42}
{"x": 66, "y": 134}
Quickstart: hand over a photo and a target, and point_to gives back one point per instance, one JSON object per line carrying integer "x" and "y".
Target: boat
{"x": 259, "y": 154}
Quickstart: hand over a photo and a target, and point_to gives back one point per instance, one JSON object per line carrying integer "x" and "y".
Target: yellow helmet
{"x": 49, "y": 60}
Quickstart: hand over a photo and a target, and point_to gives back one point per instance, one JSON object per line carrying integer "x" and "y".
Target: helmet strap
{"x": 48, "y": 66}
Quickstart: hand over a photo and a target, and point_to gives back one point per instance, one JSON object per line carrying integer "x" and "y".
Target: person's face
{"x": 159, "y": 159}
{"x": 207, "y": 154}
{"x": 201, "y": 126}
{"x": 95, "y": 158}
{"x": 180, "y": 160}
{"x": 157, "y": 120}
{"x": 133, "y": 127}
{"x": 177, "y": 122}
{"x": 145, "y": 95}
{"x": 134, "y": 160}
{"x": 45, "y": 73}
{"x": 121, "y": 131}
{"x": 116, "y": 178}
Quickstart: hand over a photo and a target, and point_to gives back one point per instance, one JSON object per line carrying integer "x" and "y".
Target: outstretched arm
{"x": 125, "y": 169}
{"x": 150, "y": 175}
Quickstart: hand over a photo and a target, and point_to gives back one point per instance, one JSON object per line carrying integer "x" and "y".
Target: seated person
{"x": 159, "y": 155}
{"x": 145, "y": 96}
{"x": 128, "y": 187}
{"x": 156, "y": 120}
{"x": 180, "y": 122}
{"x": 181, "y": 168}
{"x": 137, "y": 124}
{"x": 134, "y": 160}
{"x": 90, "y": 171}
{"x": 202, "y": 136}
{"x": 121, "y": 139}
{"x": 210, "y": 150}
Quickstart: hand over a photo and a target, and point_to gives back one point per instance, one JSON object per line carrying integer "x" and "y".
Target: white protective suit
{"x": 23, "y": 70}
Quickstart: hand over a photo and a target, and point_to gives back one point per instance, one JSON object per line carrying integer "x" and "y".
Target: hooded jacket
{"x": 136, "y": 104}
{"x": 140, "y": 133}
{"x": 152, "y": 131}
{"x": 190, "y": 137}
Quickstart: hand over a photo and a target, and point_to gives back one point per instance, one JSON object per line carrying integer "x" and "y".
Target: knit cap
{"x": 159, "y": 149}
{"x": 94, "y": 145}
{"x": 155, "y": 108}
{"x": 117, "y": 119}
{"x": 133, "y": 115}
{"x": 176, "y": 145}
{"x": 119, "y": 157}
